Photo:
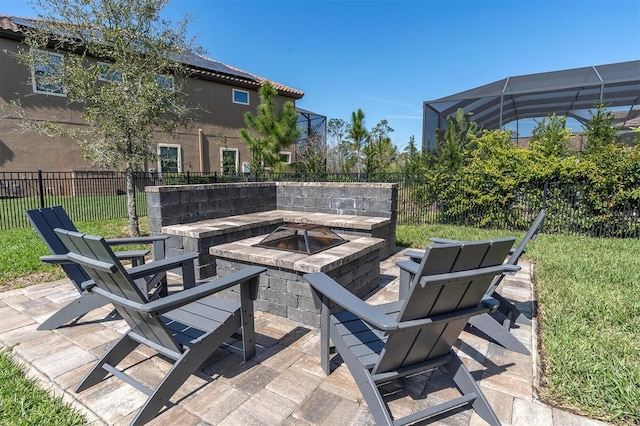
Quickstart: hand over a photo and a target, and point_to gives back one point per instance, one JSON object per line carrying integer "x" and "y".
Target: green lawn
{"x": 589, "y": 309}
{"x": 20, "y": 249}
{"x": 22, "y": 402}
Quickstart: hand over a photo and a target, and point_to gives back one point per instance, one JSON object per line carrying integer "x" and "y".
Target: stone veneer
{"x": 204, "y": 207}
{"x": 283, "y": 291}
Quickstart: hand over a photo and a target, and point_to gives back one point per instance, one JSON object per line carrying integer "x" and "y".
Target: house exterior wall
{"x": 216, "y": 117}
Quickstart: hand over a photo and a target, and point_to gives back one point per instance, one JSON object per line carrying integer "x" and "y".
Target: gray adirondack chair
{"x": 45, "y": 220}
{"x": 416, "y": 334}
{"x": 496, "y": 325}
{"x": 186, "y": 326}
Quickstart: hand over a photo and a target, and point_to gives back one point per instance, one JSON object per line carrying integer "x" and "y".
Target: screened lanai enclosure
{"x": 512, "y": 103}
{"x": 312, "y": 126}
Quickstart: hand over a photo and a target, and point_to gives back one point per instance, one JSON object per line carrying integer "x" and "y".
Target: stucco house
{"x": 224, "y": 93}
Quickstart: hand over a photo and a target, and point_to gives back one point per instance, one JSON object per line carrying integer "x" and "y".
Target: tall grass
{"x": 589, "y": 318}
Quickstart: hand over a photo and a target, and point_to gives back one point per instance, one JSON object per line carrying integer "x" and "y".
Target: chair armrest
{"x": 176, "y": 300}
{"x": 136, "y": 240}
{"x": 160, "y": 265}
{"x": 408, "y": 265}
{"x": 131, "y": 254}
{"x": 56, "y": 259}
{"x": 415, "y": 255}
{"x": 334, "y": 291}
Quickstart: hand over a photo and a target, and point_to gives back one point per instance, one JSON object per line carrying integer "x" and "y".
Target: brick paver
{"x": 282, "y": 385}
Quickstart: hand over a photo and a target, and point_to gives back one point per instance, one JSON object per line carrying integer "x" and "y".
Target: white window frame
{"x": 178, "y": 158}
{"x": 237, "y": 156}
{"x": 34, "y": 82}
{"x": 287, "y": 153}
{"x": 233, "y": 96}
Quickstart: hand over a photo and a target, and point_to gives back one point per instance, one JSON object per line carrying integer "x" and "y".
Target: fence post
{"x": 545, "y": 194}
{"x": 188, "y": 177}
{"x": 41, "y": 189}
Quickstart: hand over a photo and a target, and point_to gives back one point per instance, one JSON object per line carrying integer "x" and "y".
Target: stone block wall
{"x": 182, "y": 204}
{"x": 359, "y": 199}
{"x": 172, "y": 205}
{"x": 285, "y": 293}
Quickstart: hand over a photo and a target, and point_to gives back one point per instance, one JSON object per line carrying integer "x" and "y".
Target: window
{"x": 45, "y": 73}
{"x": 240, "y": 97}
{"x": 170, "y": 158}
{"x": 108, "y": 74}
{"x": 165, "y": 82}
{"x": 285, "y": 157}
{"x": 229, "y": 161}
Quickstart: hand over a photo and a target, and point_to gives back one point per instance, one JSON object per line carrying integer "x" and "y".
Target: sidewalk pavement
{"x": 282, "y": 385}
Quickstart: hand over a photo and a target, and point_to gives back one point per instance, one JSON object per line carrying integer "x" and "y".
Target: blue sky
{"x": 389, "y": 56}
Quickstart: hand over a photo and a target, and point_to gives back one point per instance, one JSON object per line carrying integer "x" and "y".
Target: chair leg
{"x": 184, "y": 367}
{"x": 510, "y": 310}
{"x": 117, "y": 353}
{"x": 325, "y": 345}
{"x": 467, "y": 385}
{"x": 370, "y": 392}
{"x": 493, "y": 329}
{"x": 80, "y": 306}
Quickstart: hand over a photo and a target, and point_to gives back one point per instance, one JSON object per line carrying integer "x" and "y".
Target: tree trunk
{"x": 134, "y": 228}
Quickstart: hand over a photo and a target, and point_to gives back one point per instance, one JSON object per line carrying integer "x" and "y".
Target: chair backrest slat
{"x": 408, "y": 346}
{"x": 514, "y": 257}
{"x": 531, "y": 234}
{"x": 119, "y": 283}
{"x": 44, "y": 221}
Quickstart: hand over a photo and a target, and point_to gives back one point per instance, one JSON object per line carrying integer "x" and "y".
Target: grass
{"x": 589, "y": 315}
{"x": 80, "y": 208}
{"x": 22, "y": 402}
{"x": 589, "y": 310}
{"x": 20, "y": 250}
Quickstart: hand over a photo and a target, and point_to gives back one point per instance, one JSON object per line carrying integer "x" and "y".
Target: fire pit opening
{"x": 301, "y": 238}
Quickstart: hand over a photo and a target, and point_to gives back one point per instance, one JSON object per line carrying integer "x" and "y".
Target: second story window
{"x": 166, "y": 82}
{"x": 240, "y": 97}
{"x": 46, "y": 72}
{"x": 107, "y": 73}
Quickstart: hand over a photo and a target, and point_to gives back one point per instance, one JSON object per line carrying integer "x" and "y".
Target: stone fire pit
{"x": 355, "y": 264}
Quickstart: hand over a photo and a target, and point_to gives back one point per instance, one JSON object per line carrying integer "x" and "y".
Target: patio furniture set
{"x": 443, "y": 290}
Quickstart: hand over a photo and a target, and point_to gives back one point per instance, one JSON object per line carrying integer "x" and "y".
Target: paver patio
{"x": 282, "y": 385}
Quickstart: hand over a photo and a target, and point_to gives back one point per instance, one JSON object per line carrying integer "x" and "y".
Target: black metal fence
{"x": 571, "y": 208}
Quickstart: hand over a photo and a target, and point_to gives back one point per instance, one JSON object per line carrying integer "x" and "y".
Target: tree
{"x": 454, "y": 143}
{"x": 120, "y": 63}
{"x": 311, "y": 155}
{"x": 412, "y": 160}
{"x": 275, "y": 129}
{"x": 357, "y": 135}
{"x": 550, "y": 137}
{"x": 599, "y": 130}
{"x": 336, "y": 154}
{"x": 379, "y": 153}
